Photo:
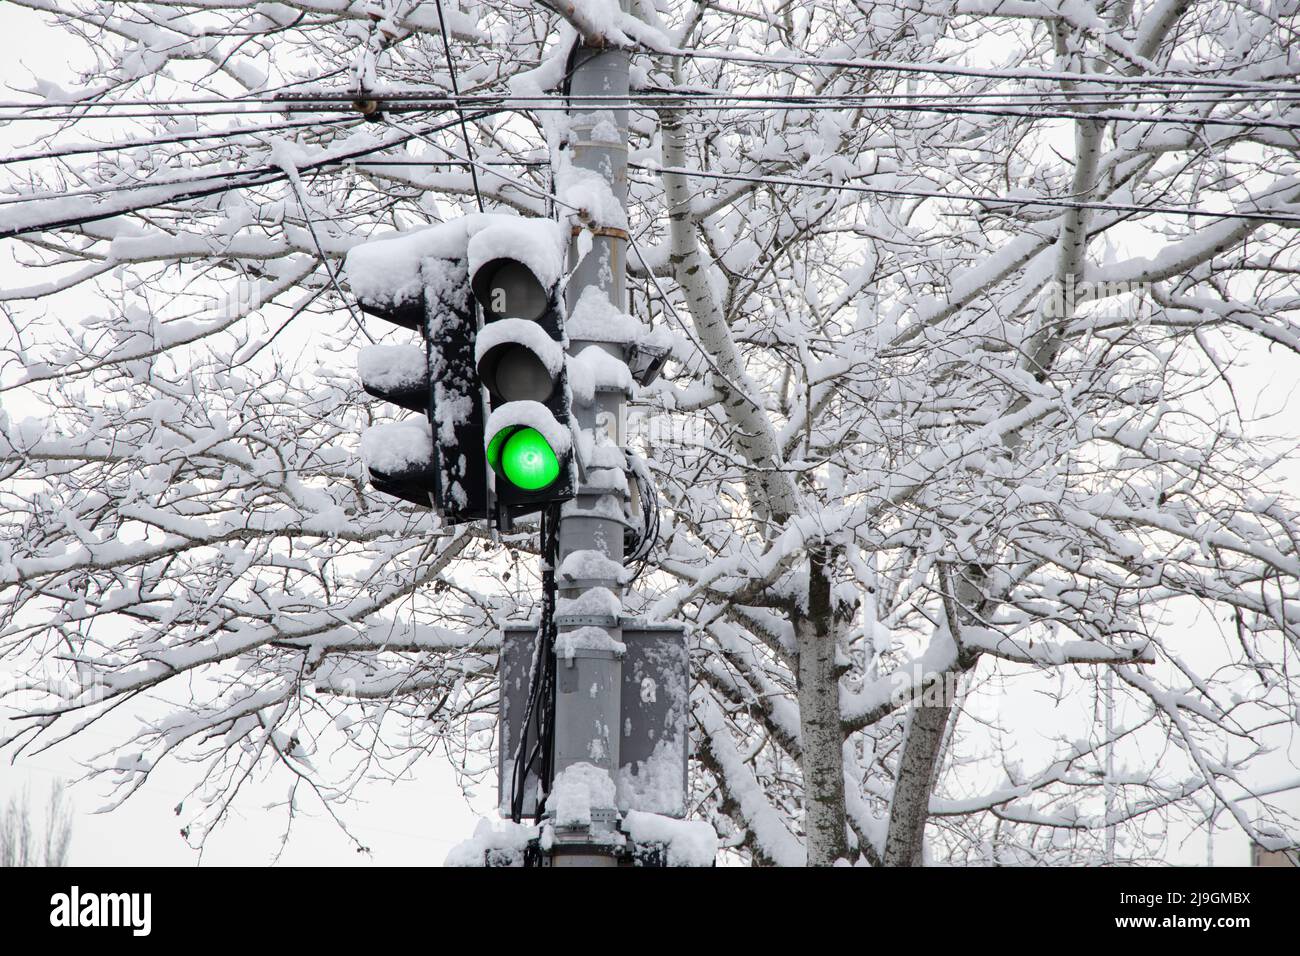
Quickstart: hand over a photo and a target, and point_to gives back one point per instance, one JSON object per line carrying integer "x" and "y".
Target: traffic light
{"x": 519, "y": 355}
{"x": 433, "y": 460}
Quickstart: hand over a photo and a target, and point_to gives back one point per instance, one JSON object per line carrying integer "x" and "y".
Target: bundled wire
{"x": 649, "y": 535}
{"x": 541, "y": 684}
{"x": 224, "y": 182}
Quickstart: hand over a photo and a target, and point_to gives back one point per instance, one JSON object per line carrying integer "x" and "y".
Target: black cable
{"x": 541, "y": 683}
{"x": 650, "y": 94}
{"x": 455, "y": 89}
{"x": 188, "y": 138}
{"x": 1280, "y": 217}
{"x": 649, "y": 536}
{"x": 104, "y": 190}
{"x": 157, "y": 114}
{"x": 451, "y": 162}
{"x": 397, "y": 106}
{"x": 1101, "y": 116}
{"x": 932, "y": 69}
{"x": 269, "y": 175}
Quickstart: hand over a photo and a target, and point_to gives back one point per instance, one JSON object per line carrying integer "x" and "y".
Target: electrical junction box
{"x": 653, "y": 736}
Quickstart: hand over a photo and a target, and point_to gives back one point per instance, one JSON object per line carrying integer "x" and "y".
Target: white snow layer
{"x": 577, "y": 789}
{"x": 592, "y": 601}
{"x": 449, "y": 410}
{"x": 655, "y": 784}
{"x": 394, "y": 446}
{"x": 531, "y": 415}
{"x": 537, "y": 243}
{"x": 594, "y": 318}
{"x": 390, "y": 367}
{"x": 689, "y": 842}
{"x": 586, "y": 638}
{"x": 595, "y": 370}
{"x": 387, "y": 271}
{"x": 591, "y": 565}
{"x": 528, "y": 334}
{"x": 504, "y": 840}
{"x": 608, "y": 480}
{"x": 600, "y": 18}
{"x": 588, "y": 191}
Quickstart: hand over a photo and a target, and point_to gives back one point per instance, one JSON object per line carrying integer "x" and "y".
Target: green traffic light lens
{"x": 524, "y": 457}
{"x": 494, "y": 448}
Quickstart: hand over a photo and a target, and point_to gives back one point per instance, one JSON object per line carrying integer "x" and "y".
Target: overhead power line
{"x": 659, "y": 95}
{"x": 1290, "y": 218}
{"x": 346, "y": 98}
{"x": 712, "y": 101}
{"x": 942, "y": 69}
{"x": 460, "y": 112}
{"x": 725, "y": 102}
{"x": 404, "y": 95}
{"x": 248, "y": 178}
{"x": 155, "y": 114}
{"x": 272, "y": 174}
{"x": 1106, "y": 116}
{"x": 168, "y": 140}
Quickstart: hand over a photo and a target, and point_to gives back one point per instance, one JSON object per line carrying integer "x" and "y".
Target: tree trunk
{"x": 822, "y": 737}
{"x": 964, "y": 603}
{"x": 911, "y": 806}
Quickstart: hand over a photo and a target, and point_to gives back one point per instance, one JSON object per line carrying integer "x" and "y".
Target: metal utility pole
{"x": 589, "y": 636}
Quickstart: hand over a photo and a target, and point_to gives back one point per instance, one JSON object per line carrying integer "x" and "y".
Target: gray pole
{"x": 588, "y": 644}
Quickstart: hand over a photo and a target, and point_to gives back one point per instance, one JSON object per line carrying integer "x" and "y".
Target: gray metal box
{"x": 654, "y": 741}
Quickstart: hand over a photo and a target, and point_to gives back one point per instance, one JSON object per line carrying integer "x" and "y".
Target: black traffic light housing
{"x": 520, "y": 361}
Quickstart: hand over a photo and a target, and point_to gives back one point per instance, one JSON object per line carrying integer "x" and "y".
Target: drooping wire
{"x": 324, "y": 259}
{"x": 987, "y": 200}
{"x": 541, "y": 684}
{"x": 260, "y": 176}
{"x": 937, "y": 105}
{"x": 347, "y": 100}
{"x": 649, "y": 535}
{"x": 187, "y": 138}
{"x": 455, "y": 89}
{"x": 935, "y": 69}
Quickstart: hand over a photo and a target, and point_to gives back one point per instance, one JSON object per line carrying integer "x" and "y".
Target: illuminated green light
{"x": 524, "y": 457}
{"x": 494, "y": 448}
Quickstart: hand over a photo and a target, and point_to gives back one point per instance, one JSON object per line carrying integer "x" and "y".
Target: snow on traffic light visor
{"x": 518, "y": 360}
{"x": 526, "y": 445}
